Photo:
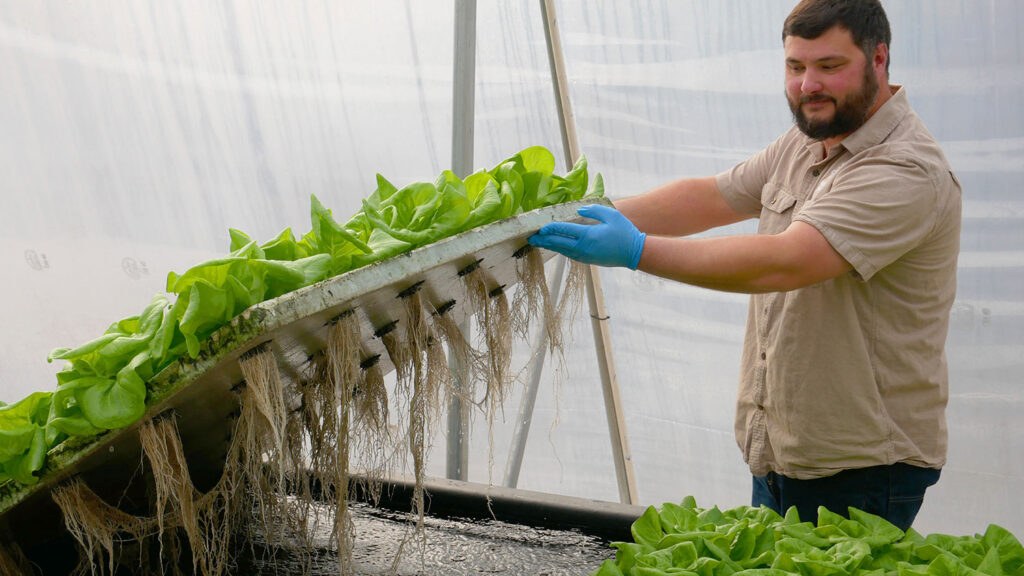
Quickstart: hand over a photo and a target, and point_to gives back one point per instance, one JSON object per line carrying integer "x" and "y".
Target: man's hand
{"x": 613, "y": 242}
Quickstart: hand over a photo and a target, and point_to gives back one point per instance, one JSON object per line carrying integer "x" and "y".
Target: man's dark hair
{"x": 865, "y": 19}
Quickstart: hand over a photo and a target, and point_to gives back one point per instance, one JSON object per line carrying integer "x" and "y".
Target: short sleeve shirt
{"x": 851, "y": 372}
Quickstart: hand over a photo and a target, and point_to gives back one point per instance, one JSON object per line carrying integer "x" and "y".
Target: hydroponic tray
{"x": 199, "y": 390}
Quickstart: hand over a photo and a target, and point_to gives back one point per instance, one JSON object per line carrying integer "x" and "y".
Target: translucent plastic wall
{"x": 136, "y": 133}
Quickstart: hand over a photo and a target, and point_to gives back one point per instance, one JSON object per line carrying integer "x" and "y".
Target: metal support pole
{"x": 595, "y": 296}
{"x": 463, "y": 100}
{"x": 540, "y": 350}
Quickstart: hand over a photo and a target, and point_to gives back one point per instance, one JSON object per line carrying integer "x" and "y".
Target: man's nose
{"x": 811, "y": 82}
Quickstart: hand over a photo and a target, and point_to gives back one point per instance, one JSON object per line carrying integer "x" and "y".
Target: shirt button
{"x": 760, "y": 406}
{"x": 763, "y": 355}
{"x": 815, "y": 172}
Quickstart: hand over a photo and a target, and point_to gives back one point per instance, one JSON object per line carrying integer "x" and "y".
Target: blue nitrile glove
{"x": 613, "y": 242}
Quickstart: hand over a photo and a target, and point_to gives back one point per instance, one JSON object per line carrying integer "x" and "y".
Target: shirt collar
{"x": 877, "y": 128}
{"x": 881, "y": 123}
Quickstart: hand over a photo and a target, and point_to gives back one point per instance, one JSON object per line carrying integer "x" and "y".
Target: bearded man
{"x": 843, "y": 382}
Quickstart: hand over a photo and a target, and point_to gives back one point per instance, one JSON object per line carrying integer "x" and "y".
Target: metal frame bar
{"x": 595, "y": 295}
{"x": 462, "y": 162}
{"x": 463, "y": 114}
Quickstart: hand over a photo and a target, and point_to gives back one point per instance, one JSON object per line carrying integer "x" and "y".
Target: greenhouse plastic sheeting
{"x": 137, "y": 133}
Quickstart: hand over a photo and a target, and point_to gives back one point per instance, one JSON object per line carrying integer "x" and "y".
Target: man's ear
{"x": 880, "y": 59}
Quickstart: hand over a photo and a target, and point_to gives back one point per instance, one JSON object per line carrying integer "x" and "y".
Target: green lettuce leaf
{"x": 647, "y": 529}
{"x": 23, "y": 443}
{"x": 207, "y": 307}
{"x": 1011, "y": 553}
{"x": 331, "y": 238}
{"x": 284, "y": 247}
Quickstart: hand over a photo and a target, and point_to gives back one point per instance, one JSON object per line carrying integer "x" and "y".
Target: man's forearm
{"x": 750, "y": 264}
{"x": 679, "y": 208}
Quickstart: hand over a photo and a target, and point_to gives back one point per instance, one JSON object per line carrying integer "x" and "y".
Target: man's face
{"x": 830, "y": 85}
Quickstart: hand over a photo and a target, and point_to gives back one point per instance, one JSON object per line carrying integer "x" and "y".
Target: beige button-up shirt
{"x": 851, "y": 372}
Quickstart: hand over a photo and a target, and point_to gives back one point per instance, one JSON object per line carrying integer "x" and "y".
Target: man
{"x": 843, "y": 384}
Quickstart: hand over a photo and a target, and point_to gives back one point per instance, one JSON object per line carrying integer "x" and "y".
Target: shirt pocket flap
{"x": 776, "y": 198}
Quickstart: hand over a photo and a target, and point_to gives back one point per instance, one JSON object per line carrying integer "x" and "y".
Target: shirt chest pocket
{"x": 777, "y": 207}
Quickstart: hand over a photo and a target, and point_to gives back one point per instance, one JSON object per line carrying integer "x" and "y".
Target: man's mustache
{"x": 816, "y": 99}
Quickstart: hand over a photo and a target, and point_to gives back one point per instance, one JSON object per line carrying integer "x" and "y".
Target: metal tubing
{"x": 463, "y": 101}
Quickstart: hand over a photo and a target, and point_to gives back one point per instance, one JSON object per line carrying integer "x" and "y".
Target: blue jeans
{"x": 893, "y": 492}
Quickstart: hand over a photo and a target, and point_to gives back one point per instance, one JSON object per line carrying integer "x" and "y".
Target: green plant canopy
{"x": 682, "y": 539}
{"x": 104, "y": 384}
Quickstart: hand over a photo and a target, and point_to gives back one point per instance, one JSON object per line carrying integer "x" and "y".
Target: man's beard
{"x": 848, "y": 116}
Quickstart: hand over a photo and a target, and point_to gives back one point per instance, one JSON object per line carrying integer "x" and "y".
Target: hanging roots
{"x": 535, "y": 296}
{"x": 337, "y": 420}
{"x": 571, "y": 293}
{"x": 344, "y": 406}
{"x": 468, "y": 365}
{"x": 419, "y": 401}
{"x": 343, "y": 345}
{"x": 97, "y": 527}
{"x": 499, "y": 347}
{"x": 371, "y": 443}
{"x": 13, "y": 560}
{"x": 302, "y": 514}
{"x": 318, "y": 417}
{"x": 532, "y": 300}
{"x": 370, "y": 407}
{"x": 103, "y": 531}
{"x": 494, "y": 323}
{"x": 400, "y": 354}
{"x": 257, "y": 455}
{"x": 568, "y": 304}
{"x": 204, "y": 518}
